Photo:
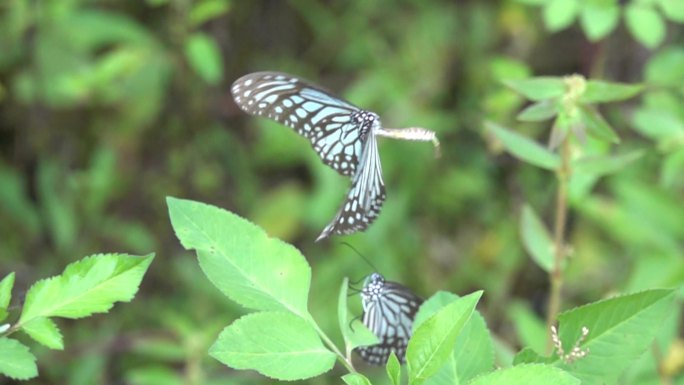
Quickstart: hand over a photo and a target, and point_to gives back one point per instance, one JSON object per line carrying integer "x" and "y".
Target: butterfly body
{"x": 388, "y": 311}
{"x": 343, "y": 136}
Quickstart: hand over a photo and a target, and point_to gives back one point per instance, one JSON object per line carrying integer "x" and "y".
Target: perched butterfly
{"x": 342, "y": 134}
{"x": 388, "y": 311}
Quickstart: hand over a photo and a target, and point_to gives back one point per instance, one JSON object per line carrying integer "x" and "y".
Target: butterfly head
{"x": 373, "y": 288}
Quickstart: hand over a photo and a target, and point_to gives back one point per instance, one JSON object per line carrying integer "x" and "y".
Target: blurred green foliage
{"x": 108, "y": 107}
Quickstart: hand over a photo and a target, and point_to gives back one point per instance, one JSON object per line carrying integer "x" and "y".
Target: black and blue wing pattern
{"x": 327, "y": 122}
{"x": 340, "y": 133}
{"x": 388, "y": 311}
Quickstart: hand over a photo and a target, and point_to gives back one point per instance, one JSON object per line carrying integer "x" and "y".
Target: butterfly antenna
{"x": 362, "y": 256}
{"x": 352, "y": 321}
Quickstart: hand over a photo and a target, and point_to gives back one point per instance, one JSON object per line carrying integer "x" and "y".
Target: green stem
{"x": 556, "y": 274}
{"x": 341, "y": 357}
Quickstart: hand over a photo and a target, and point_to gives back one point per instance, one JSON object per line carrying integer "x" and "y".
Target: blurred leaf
{"x": 204, "y": 57}
{"x": 523, "y": 148}
{"x": 5, "y": 294}
{"x": 14, "y": 201}
{"x": 393, "y": 368}
{"x": 503, "y": 68}
{"x": 560, "y": 14}
{"x": 529, "y": 374}
{"x": 161, "y": 349}
{"x": 269, "y": 211}
{"x": 619, "y": 332}
{"x": 57, "y": 204}
{"x": 673, "y": 10}
{"x": 433, "y": 340}
{"x": 355, "y": 379}
{"x": 599, "y": 18}
{"x": 536, "y": 238}
{"x": 155, "y": 374}
{"x": 658, "y": 124}
{"x": 604, "y": 165}
{"x": 539, "y": 88}
{"x": 540, "y": 111}
{"x": 276, "y": 344}
{"x": 598, "y": 91}
{"x": 16, "y": 361}
{"x": 530, "y": 328}
{"x": 645, "y": 24}
{"x": 597, "y": 126}
{"x": 359, "y": 334}
{"x": 666, "y": 67}
{"x": 206, "y": 10}
{"x": 88, "y": 286}
{"x": 532, "y": 2}
{"x": 44, "y": 331}
{"x": 672, "y": 168}
{"x": 252, "y": 269}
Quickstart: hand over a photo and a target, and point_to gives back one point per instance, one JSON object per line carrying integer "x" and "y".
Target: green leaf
{"x": 658, "y": 125}
{"x": 599, "y": 18}
{"x": 604, "y": 165}
{"x": 91, "y": 285}
{"x": 433, "y": 340}
{"x": 560, "y": 14}
{"x": 44, "y": 331}
{"x": 673, "y": 9}
{"x": 645, "y": 24}
{"x": 393, "y": 368}
{"x": 16, "y": 361}
{"x": 532, "y": 2}
{"x": 241, "y": 260}
{"x": 530, "y": 374}
{"x": 530, "y": 328}
{"x": 206, "y": 10}
{"x": 620, "y": 330}
{"x": 6, "y": 294}
{"x": 355, "y": 379}
{"x": 536, "y": 238}
{"x": 540, "y": 111}
{"x": 539, "y": 88}
{"x": 666, "y": 67}
{"x": 473, "y": 353}
{"x": 357, "y": 336}
{"x": 276, "y": 344}
{"x": 597, "y": 126}
{"x": 204, "y": 57}
{"x": 598, "y": 91}
{"x": 524, "y": 148}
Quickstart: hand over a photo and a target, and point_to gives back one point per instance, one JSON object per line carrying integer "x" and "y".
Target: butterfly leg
{"x": 411, "y": 133}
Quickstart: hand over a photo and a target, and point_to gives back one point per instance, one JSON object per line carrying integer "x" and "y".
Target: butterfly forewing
{"x": 389, "y": 310}
{"x": 329, "y": 123}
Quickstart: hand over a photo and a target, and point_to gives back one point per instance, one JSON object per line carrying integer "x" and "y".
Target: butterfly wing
{"x": 326, "y": 121}
{"x": 365, "y": 198}
{"x": 390, "y": 318}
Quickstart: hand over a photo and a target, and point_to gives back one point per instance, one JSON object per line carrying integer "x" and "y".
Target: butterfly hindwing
{"x": 365, "y": 198}
{"x": 330, "y": 124}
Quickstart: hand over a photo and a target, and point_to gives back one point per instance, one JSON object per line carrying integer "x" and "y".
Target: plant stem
{"x": 556, "y": 274}
{"x": 341, "y": 357}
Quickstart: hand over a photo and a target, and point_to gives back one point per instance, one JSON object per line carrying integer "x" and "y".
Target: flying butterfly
{"x": 343, "y": 135}
{"x": 388, "y": 311}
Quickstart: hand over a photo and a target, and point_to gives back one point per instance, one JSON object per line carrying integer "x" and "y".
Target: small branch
{"x": 556, "y": 274}
{"x": 341, "y": 357}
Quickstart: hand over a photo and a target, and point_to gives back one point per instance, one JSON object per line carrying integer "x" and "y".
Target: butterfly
{"x": 343, "y": 136}
{"x": 388, "y": 311}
